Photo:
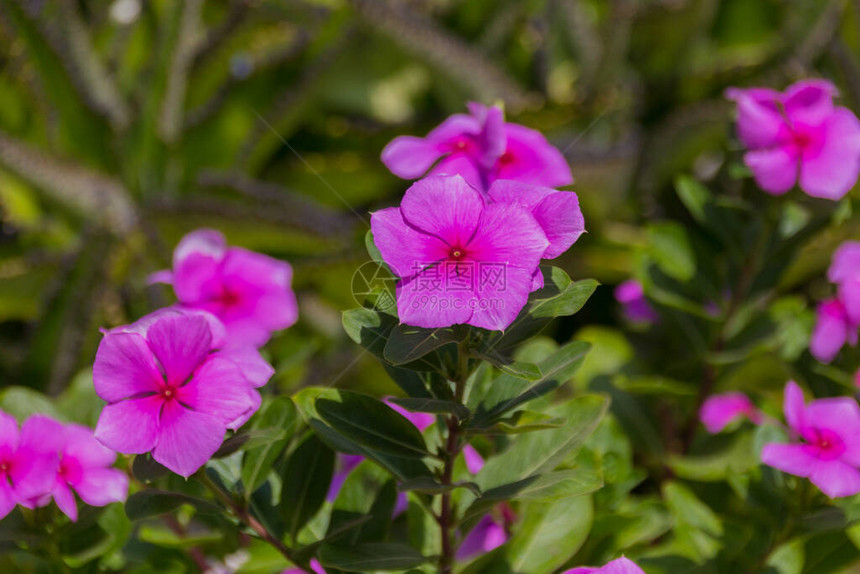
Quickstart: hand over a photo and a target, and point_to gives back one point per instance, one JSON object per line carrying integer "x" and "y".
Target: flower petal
{"x": 833, "y": 170}
{"x": 405, "y": 249}
{"x": 486, "y": 536}
{"x": 446, "y": 207}
{"x": 410, "y": 157}
{"x": 465, "y": 166}
{"x": 809, "y": 102}
{"x": 841, "y": 415}
{"x": 8, "y": 499}
{"x": 774, "y": 169}
{"x": 130, "y": 426}
{"x": 849, "y": 294}
{"x": 495, "y": 306}
{"x": 474, "y": 460}
{"x": 760, "y": 121}
{"x": 8, "y": 432}
{"x": 125, "y": 367}
{"x": 186, "y": 439}
{"x": 530, "y": 158}
{"x": 65, "y": 500}
{"x": 845, "y": 265}
{"x": 791, "y": 458}
{"x": 256, "y": 400}
{"x": 831, "y": 331}
{"x": 621, "y": 566}
{"x": 218, "y": 389}
{"x": 794, "y": 407}
{"x": 423, "y": 301}
{"x": 256, "y": 370}
{"x": 720, "y": 410}
{"x": 836, "y": 479}
{"x": 181, "y": 342}
{"x": 508, "y": 234}
{"x": 82, "y": 446}
{"x": 102, "y": 486}
{"x": 196, "y": 262}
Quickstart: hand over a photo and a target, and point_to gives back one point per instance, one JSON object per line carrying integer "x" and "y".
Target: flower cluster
{"x": 719, "y": 411}
{"x": 466, "y": 241}
{"x": 839, "y": 317}
{"x": 46, "y": 459}
{"x": 173, "y": 388}
{"x": 799, "y": 136}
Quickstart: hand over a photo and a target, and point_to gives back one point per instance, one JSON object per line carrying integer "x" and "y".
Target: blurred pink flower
{"x": 249, "y": 292}
{"x": 719, "y": 410}
{"x": 28, "y": 460}
{"x": 845, "y": 273}
{"x": 486, "y": 536}
{"x": 829, "y": 449}
{"x": 799, "y": 136}
{"x": 833, "y": 328}
{"x": 636, "y": 307}
{"x": 459, "y": 260}
{"x": 171, "y": 391}
{"x": 618, "y": 566}
{"x": 85, "y": 467}
{"x": 421, "y": 420}
{"x": 481, "y": 148}
{"x": 316, "y": 567}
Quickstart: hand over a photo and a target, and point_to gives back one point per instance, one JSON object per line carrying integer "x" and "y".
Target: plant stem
{"x": 246, "y": 518}
{"x": 451, "y": 450}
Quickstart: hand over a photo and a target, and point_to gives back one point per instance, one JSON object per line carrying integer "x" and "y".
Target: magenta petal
{"x": 582, "y": 570}
{"x": 846, "y": 263}
{"x": 791, "y": 458}
{"x": 446, "y": 207}
{"x": 795, "y": 408}
{"x": 65, "y": 500}
{"x": 833, "y": 169}
{"x": 562, "y": 221}
{"x": 82, "y": 446}
{"x": 530, "y": 158}
{"x": 495, "y": 242}
{"x": 255, "y": 399}
{"x": 809, "y": 102}
{"x": 130, "y": 426}
{"x": 835, "y": 478}
{"x": 537, "y": 280}
{"x": 760, "y": 121}
{"x": 463, "y": 165}
{"x": 102, "y": 486}
{"x": 186, "y": 439}
{"x": 254, "y": 367}
{"x": 474, "y": 461}
{"x": 422, "y": 303}
{"x": 720, "y": 410}
{"x": 524, "y": 194}
{"x": 195, "y": 264}
{"x": 164, "y": 276}
{"x": 831, "y": 331}
{"x": 181, "y": 343}
{"x": 405, "y": 249}
{"x": 217, "y": 389}
{"x": 486, "y": 536}
{"x": 8, "y": 499}
{"x": 496, "y": 308}
{"x": 775, "y": 169}
{"x": 33, "y": 472}
{"x": 421, "y": 420}
{"x": 621, "y": 566}
{"x": 841, "y": 416}
{"x": 124, "y": 367}
{"x": 8, "y": 431}
{"x": 849, "y": 294}
{"x": 410, "y": 157}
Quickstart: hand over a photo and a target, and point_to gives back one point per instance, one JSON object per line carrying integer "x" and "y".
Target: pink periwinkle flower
{"x": 635, "y": 306}
{"x": 84, "y": 467}
{"x": 799, "y": 136}
{"x": 828, "y": 452}
{"x": 718, "y": 411}
{"x": 618, "y": 566}
{"x": 173, "y": 389}
{"x": 458, "y": 258}
{"x": 28, "y": 460}
{"x": 316, "y": 568}
{"x": 480, "y": 147}
{"x": 845, "y": 273}
{"x": 490, "y": 533}
{"x": 833, "y": 328}
{"x": 249, "y": 292}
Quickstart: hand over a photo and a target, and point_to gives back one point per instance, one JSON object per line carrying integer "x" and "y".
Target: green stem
{"x": 247, "y": 519}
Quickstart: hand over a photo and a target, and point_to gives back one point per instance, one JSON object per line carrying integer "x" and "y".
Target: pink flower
{"x": 619, "y": 566}
{"x": 833, "y": 328}
{"x": 829, "y": 451}
{"x": 481, "y": 148}
{"x": 636, "y": 307}
{"x": 28, "y": 460}
{"x": 459, "y": 259}
{"x": 421, "y": 420}
{"x": 85, "y": 467}
{"x": 720, "y": 410}
{"x": 799, "y": 136}
{"x": 486, "y": 536}
{"x": 171, "y": 391}
{"x": 316, "y": 567}
{"x": 845, "y": 273}
{"x": 250, "y": 293}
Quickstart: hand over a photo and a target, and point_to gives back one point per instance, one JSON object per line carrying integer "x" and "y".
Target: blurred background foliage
{"x": 126, "y": 124}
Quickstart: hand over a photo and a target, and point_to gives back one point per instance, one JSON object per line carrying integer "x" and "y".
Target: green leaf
{"x": 528, "y": 371}
{"x": 146, "y": 469}
{"x": 693, "y": 195}
{"x": 550, "y": 486}
{"x": 429, "y": 485}
{"x": 376, "y": 529}
{"x": 305, "y": 479}
{"x": 279, "y": 415}
{"x": 549, "y": 533}
{"x": 540, "y": 452}
{"x": 508, "y": 392}
{"x": 407, "y": 343}
{"x": 402, "y": 468}
{"x": 371, "y": 556}
{"x": 434, "y": 406}
{"x": 520, "y": 422}
{"x": 154, "y": 502}
{"x": 669, "y": 246}
{"x": 22, "y": 403}
{"x": 371, "y": 423}
{"x": 571, "y": 298}
{"x": 369, "y": 328}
